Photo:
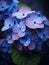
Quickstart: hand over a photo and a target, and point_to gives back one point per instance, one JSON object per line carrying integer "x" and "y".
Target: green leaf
{"x": 20, "y": 59}
{"x": 23, "y": 5}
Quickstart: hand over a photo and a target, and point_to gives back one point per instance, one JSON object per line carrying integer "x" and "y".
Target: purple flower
{"x": 15, "y": 36}
{"x": 22, "y": 13}
{"x": 20, "y": 29}
{"x": 34, "y": 21}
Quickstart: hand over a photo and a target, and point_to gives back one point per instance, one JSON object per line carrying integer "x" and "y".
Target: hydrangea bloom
{"x": 22, "y": 13}
{"x": 29, "y": 27}
{"x": 35, "y": 21}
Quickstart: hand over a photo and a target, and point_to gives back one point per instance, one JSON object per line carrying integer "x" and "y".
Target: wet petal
{"x": 25, "y": 42}
{"x": 39, "y": 20}
{"x": 22, "y": 26}
{"x": 16, "y": 28}
{"x": 15, "y": 36}
{"x": 26, "y": 39}
{"x": 20, "y": 29}
{"x": 21, "y": 34}
{"x": 34, "y": 22}
{"x": 22, "y": 13}
{"x": 10, "y": 41}
{"x": 34, "y": 26}
{"x": 7, "y": 24}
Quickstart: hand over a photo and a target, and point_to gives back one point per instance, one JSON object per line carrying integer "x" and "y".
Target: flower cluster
{"x": 29, "y": 28}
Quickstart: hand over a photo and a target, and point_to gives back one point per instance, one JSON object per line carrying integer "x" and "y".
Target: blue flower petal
{"x": 15, "y": 1}
{"x": 26, "y": 40}
{"x": 3, "y": 6}
{"x": 41, "y": 35}
{"x": 7, "y": 24}
{"x": 12, "y": 8}
{"x": 46, "y": 22}
{"x": 46, "y": 32}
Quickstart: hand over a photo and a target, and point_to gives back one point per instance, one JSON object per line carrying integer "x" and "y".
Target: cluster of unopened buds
{"x": 29, "y": 28}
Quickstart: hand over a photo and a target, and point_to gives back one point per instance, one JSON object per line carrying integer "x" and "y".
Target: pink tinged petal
{"x": 31, "y": 47}
{"x": 34, "y": 26}
{"x": 22, "y": 13}
{"x": 25, "y": 10}
{"x": 39, "y": 26}
{"x": 32, "y": 23}
{"x": 21, "y": 34}
{"x": 19, "y": 15}
{"x": 15, "y": 36}
{"x": 19, "y": 47}
{"x": 15, "y": 28}
{"x": 10, "y": 41}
